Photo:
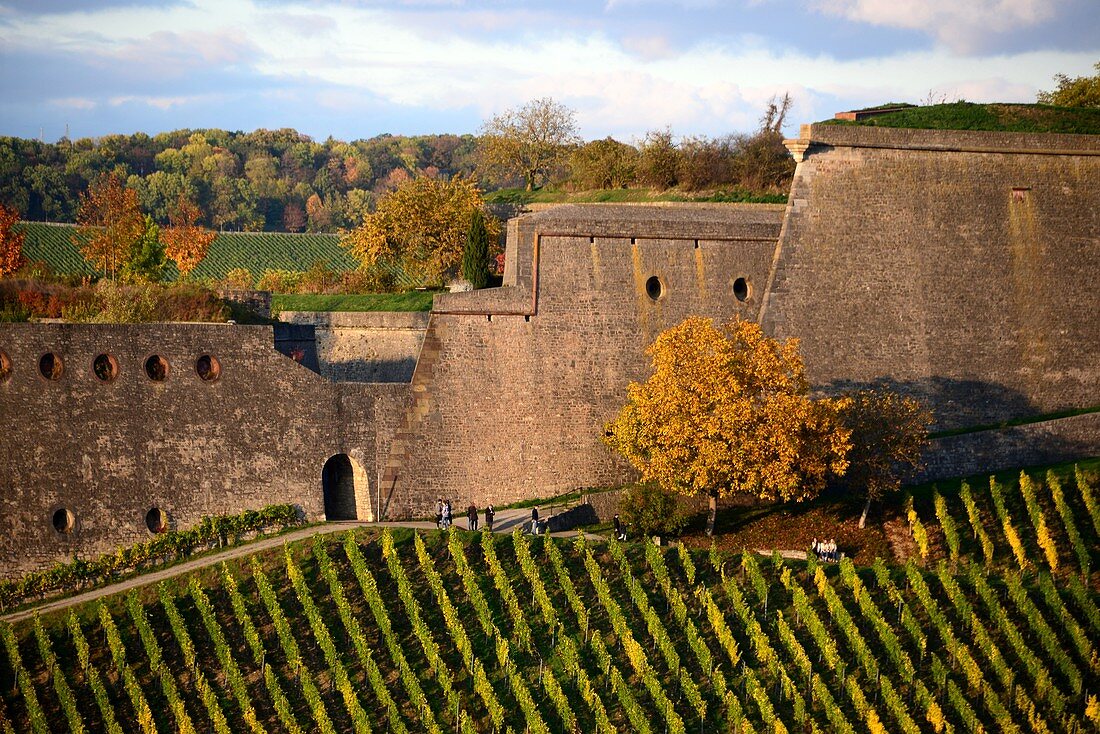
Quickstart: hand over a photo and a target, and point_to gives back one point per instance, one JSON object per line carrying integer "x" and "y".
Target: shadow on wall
{"x": 371, "y": 370}
{"x": 954, "y": 403}
{"x": 972, "y": 403}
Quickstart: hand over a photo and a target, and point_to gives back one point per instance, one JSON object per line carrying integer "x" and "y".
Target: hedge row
{"x": 164, "y": 547}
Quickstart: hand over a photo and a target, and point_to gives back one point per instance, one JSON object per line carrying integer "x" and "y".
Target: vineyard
{"x": 1034, "y": 523}
{"x": 256, "y": 251}
{"x": 404, "y": 632}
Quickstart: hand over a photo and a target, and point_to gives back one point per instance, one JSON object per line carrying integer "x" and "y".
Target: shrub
{"x": 240, "y": 278}
{"x": 652, "y": 510}
{"x": 280, "y": 281}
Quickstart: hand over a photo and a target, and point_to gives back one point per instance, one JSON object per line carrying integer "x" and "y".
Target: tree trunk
{"x": 712, "y": 515}
{"x": 863, "y": 517}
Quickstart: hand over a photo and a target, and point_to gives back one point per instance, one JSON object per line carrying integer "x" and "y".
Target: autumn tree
{"x": 889, "y": 432}
{"x": 475, "y": 256}
{"x": 658, "y": 159}
{"x": 762, "y": 162}
{"x": 11, "y": 242}
{"x": 603, "y": 164}
{"x": 530, "y": 140}
{"x": 185, "y": 241}
{"x": 1081, "y": 91}
{"x": 109, "y": 224}
{"x": 421, "y": 227}
{"x": 727, "y": 411}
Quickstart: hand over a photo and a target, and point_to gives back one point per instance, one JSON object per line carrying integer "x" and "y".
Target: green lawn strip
{"x": 1022, "y": 118}
{"x": 632, "y": 195}
{"x": 410, "y": 301}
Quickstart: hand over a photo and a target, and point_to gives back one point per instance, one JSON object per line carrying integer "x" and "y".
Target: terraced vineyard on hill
{"x": 454, "y": 631}
{"x": 256, "y": 251}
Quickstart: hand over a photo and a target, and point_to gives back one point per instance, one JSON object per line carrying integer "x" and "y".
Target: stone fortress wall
{"x": 90, "y": 464}
{"x": 951, "y": 265}
{"x": 364, "y": 346}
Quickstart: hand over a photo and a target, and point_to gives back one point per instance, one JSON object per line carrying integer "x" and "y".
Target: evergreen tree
{"x": 475, "y": 258}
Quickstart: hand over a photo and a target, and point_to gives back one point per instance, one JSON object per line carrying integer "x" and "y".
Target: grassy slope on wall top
{"x": 1019, "y": 118}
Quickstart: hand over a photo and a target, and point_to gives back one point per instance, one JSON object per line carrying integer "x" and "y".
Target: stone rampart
{"x": 954, "y": 265}
{"x": 514, "y": 384}
{"x": 87, "y": 456}
{"x": 364, "y": 346}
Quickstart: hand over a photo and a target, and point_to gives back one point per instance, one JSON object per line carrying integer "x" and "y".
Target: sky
{"x": 354, "y": 69}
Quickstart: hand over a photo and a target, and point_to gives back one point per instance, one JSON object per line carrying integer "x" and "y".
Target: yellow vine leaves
{"x": 727, "y": 411}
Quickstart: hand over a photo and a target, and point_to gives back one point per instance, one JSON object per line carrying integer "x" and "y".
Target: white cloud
{"x": 160, "y": 103}
{"x": 74, "y": 103}
{"x": 960, "y": 24}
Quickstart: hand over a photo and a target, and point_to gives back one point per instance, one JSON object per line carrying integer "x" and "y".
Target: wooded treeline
{"x": 282, "y": 180}
{"x": 274, "y": 180}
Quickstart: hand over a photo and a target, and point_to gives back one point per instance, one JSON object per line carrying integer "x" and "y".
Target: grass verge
{"x": 411, "y": 301}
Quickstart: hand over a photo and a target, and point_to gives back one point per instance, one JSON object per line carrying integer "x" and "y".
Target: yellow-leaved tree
{"x": 727, "y": 411}
{"x": 420, "y": 227}
{"x": 185, "y": 241}
{"x": 109, "y": 224}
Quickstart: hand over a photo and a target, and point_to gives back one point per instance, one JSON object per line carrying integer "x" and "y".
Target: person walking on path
{"x": 439, "y": 513}
{"x": 620, "y": 529}
{"x": 489, "y": 518}
{"x": 471, "y": 516}
{"x": 446, "y": 514}
{"x": 535, "y": 520}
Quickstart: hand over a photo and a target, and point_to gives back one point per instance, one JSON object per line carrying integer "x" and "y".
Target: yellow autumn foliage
{"x": 727, "y": 411}
{"x": 421, "y": 226}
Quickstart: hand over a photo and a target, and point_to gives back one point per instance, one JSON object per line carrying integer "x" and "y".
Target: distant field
{"x": 257, "y": 251}
{"x": 1020, "y": 118}
{"x": 411, "y": 301}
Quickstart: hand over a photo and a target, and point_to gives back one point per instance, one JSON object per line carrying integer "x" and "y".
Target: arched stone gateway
{"x": 346, "y": 489}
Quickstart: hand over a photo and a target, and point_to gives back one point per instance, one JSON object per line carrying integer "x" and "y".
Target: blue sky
{"x": 356, "y": 68}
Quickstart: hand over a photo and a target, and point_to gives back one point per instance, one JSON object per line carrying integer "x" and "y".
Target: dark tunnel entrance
{"x": 338, "y": 479}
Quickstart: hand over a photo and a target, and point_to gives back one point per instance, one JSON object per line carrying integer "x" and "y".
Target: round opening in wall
{"x": 208, "y": 368}
{"x": 105, "y": 367}
{"x": 741, "y": 289}
{"x": 63, "y": 520}
{"x": 50, "y": 366}
{"x": 156, "y": 520}
{"x": 654, "y": 288}
{"x": 156, "y": 367}
{"x": 5, "y": 367}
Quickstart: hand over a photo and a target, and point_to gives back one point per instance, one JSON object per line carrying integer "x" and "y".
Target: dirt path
{"x": 505, "y": 522}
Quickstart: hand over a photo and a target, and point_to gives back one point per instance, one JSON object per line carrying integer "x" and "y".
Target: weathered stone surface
{"x": 367, "y": 346}
{"x": 111, "y": 451}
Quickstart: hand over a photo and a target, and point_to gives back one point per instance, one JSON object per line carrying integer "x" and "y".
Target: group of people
{"x": 826, "y": 550}
{"x": 444, "y": 517}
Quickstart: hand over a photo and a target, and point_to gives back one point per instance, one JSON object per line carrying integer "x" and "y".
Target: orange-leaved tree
{"x": 421, "y": 227}
{"x": 186, "y": 242}
{"x": 109, "y": 224}
{"x": 727, "y": 411}
{"x": 11, "y": 242}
